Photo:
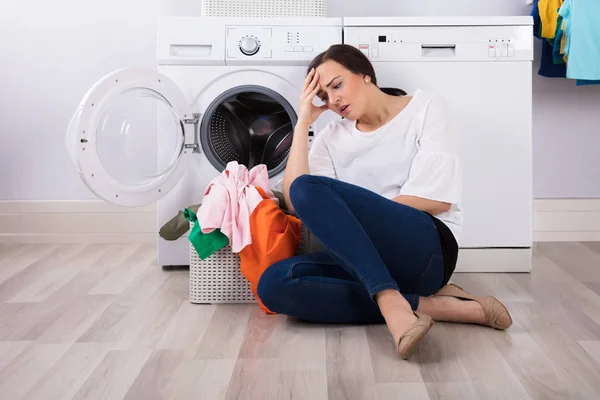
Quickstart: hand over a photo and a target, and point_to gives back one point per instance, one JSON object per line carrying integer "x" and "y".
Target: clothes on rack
{"x": 549, "y": 66}
{"x": 558, "y": 43}
{"x": 582, "y": 48}
{"x": 570, "y": 32}
{"x": 548, "y": 12}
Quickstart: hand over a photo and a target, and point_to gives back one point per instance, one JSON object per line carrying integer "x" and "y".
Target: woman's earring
{"x": 367, "y": 80}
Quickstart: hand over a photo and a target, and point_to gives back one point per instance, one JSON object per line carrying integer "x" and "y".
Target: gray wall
{"x": 52, "y": 52}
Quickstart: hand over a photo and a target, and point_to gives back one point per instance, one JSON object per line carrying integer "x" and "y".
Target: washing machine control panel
{"x": 279, "y": 44}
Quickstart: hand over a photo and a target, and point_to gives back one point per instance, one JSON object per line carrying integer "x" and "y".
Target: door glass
{"x": 139, "y": 137}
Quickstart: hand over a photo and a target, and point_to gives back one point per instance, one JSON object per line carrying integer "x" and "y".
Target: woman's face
{"x": 343, "y": 91}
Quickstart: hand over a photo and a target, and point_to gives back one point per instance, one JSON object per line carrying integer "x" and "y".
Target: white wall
{"x": 52, "y": 52}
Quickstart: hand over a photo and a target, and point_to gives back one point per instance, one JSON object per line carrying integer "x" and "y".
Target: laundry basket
{"x": 217, "y": 279}
{"x": 264, "y": 8}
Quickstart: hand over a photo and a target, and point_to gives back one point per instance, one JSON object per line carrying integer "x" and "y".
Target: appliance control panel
{"x": 283, "y": 44}
{"x": 501, "y": 47}
{"x": 423, "y": 43}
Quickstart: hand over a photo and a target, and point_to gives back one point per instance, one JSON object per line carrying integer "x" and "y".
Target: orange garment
{"x": 275, "y": 236}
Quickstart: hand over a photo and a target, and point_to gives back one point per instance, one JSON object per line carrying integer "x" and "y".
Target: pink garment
{"x": 230, "y": 199}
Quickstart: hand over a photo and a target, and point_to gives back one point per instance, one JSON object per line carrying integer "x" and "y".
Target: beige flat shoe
{"x": 496, "y": 314}
{"x": 411, "y": 337}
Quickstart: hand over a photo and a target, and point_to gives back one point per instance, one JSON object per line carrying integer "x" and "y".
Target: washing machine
{"x": 225, "y": 89}
{"x": 482, "y": 66}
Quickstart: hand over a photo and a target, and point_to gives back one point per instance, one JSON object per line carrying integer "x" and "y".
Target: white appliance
{"x": 225, "y": 89}
{"x": 483, "y": 68}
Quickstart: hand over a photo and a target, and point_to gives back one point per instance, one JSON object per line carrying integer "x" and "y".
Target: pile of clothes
{"x": 570, "y": 34}
{"x": 240, "y": 210}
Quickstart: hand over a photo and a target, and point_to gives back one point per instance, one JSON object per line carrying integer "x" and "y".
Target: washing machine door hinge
{"x": 190, "y": 129}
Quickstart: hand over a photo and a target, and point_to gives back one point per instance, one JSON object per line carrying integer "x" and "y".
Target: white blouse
{"x": 415, "y": 153}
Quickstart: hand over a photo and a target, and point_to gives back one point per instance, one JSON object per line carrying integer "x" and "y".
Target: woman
{"x": 381, "y": 190}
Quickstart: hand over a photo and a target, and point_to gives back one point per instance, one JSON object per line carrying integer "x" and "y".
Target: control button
{"x": 364, "y": 48}
{"x": 249, "y": 45}
{"x": 308, "y": 49}
{"x": 491, "y": 51}
{"x": 498, "y": 50}
{"x": 374, "y": 52}
{"x": 511, "y": 50}
{"x": 289, "y": 48}
{"x": 504, "y": 50}
{"x": 298, "y": 48}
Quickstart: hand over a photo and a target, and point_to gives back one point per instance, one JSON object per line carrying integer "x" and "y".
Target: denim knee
{"x": 270, "y": 285}
{"x": 301, "y": 189}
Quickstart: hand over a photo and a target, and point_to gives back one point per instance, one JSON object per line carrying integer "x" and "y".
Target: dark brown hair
{"x": 355, "y": 61}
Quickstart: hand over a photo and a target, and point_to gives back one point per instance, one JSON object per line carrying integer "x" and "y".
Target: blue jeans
{"x": 372, "y": 244}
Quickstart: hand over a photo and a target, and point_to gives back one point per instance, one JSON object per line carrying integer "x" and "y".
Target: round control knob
{"x": 249, "y": 45}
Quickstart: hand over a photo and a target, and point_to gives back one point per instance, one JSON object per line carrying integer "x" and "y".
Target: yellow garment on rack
{"x": 548, "y": 10}
{"x": 563, "y": 42}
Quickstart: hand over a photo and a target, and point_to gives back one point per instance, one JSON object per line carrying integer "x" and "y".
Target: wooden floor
{"x": 104, "y": 322}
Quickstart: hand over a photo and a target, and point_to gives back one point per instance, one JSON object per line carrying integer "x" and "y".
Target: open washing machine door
{"x": 134, "y": 134}
{"x": 132, "y": 137}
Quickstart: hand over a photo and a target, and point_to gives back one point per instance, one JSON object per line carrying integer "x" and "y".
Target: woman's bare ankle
{"x": 396, "y": 311}
{"x": 392, "y": 300}
{"x": 389, "y": 296}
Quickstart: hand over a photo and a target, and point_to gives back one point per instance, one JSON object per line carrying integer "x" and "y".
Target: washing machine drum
{"x": 251, "y": 125}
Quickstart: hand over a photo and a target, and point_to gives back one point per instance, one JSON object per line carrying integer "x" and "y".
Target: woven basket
{"x": 217, "y": 279}
{"x": 264, "y": 8}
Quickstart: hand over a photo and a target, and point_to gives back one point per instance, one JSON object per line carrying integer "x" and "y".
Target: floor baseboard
{"x": 566, "y": 220}
{"x": 77, "y": 221}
